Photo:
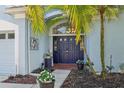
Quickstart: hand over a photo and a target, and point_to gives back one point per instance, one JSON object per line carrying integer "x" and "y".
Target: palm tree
{"x": 105, "y": 12}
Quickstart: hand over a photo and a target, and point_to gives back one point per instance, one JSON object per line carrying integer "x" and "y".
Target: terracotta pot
{"x": 48, "y": 84}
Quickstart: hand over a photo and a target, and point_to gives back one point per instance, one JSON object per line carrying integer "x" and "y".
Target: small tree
{"x": 105, "y": 13}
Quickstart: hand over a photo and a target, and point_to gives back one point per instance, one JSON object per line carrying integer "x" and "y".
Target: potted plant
{"x": 48, "y": 61}
{"x": 80, "y": 64}
{"x": 46, "y": 79}
{"x": 47, "y": 55}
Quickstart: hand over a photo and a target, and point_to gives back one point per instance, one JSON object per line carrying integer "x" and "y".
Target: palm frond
{"x": 54, "y": 7}
{"x": 111, "y": 12}
{"x": 80, "y": 17}
{"x": 35, "y": 13}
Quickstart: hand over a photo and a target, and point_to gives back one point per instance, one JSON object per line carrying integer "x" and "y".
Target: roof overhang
{"x": 16, "y": 11}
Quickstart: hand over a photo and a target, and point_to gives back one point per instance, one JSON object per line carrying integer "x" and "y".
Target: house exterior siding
{"x": 36, "y": 56}
{"x": 114, "y": 36}
{"x": 22, "y": 46}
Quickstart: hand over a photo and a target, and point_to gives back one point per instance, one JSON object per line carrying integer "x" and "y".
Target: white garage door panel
{"x": 7, "y": 56}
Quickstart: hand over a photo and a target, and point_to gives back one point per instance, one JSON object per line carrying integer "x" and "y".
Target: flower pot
{"x": 80, "y": 66}
{"x": 47, "y": 84}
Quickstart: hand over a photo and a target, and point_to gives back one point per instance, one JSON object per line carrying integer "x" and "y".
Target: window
{"x": 11, "y": 35}
{"x": 2, "y": 36}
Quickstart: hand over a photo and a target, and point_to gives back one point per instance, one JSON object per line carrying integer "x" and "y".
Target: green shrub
{"x": 79, "y": 62}
{"x": 46, "y": 76}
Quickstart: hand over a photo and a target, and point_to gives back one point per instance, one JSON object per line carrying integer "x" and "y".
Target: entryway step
{"x": 65, "y": 66}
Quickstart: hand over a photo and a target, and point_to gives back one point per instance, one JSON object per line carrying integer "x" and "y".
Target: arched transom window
{"x": 63, "y": 29}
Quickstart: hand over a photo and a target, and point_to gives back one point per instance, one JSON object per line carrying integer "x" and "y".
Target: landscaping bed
{"x": 21, "y": 79}
{"x": 78, "y": 79}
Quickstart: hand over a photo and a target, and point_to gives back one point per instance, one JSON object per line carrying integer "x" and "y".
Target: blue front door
{"x": 65, "y": 50}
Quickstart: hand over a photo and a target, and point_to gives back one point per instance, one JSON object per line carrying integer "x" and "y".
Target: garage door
{"x": 7, "y": 53}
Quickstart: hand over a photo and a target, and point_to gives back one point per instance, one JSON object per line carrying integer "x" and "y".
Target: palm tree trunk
{"x": 103, "y": 73}
{"x": 88, "y": 59}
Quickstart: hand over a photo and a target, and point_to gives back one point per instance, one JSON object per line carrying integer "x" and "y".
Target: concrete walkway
{"x": 60, "y": 76}
{"x": 3, "y": 78}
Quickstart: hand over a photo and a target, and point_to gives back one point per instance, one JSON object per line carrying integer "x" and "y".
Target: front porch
{"x": 64, "y": 50}
{"x": 65, "y": 66}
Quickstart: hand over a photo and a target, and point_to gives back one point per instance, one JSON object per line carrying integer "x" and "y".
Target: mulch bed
{"x": 77, "y": 79}
{"x": 21, "y": 79}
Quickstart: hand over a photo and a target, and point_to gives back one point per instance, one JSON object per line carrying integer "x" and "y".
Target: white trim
{"x": 28, "y": 47}
{"x": 17, "y": 49}
{"x": 17, "y": 12}
{"x": 64, "y": 34}
{"x": 18, "y": 16}
{"x": 16, "y": 9}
